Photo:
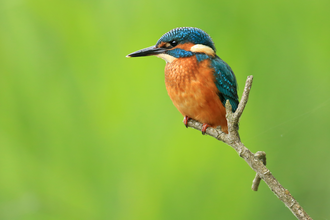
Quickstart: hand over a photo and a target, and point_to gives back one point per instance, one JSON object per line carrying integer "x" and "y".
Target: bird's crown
{"x": 184, "y": 35}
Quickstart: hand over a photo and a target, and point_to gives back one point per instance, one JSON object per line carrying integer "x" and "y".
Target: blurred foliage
{"x": 86, "y": 133}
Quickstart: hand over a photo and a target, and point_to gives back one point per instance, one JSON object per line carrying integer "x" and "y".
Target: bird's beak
{"x": 147, "y": 52}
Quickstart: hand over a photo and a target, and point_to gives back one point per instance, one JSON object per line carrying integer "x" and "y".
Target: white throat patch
{"x": 166, "y": 57}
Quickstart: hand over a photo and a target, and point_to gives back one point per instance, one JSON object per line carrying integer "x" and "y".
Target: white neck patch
{"x": 200, "y": 48}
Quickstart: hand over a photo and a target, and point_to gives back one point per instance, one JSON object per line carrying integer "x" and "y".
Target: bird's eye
{"x": 173, "y": 43}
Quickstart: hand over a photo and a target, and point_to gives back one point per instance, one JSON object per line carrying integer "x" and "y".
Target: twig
{"x": 233, "y": 140}
{"x": 256, "y": 181}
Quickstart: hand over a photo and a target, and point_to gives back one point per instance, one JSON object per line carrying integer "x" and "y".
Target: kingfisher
{"x": 197, "y": 80}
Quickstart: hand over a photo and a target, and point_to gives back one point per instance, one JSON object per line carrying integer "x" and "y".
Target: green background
{"x": 86, "y": 133}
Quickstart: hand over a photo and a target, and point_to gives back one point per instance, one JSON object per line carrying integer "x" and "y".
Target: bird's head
{"x": 178, "y": 43}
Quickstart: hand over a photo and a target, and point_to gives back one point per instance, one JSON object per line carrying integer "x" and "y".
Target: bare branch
{"x": 255, "y": 161}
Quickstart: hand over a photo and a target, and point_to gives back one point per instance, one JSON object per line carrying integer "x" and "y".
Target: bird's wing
{"x": 226, "y": 82}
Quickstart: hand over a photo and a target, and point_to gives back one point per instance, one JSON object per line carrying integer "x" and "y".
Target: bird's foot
{"x": 205, "y": 126}
{"x": 185, "y": 120}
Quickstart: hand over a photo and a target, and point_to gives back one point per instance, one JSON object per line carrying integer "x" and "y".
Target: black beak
{"x": 147, "y": 52}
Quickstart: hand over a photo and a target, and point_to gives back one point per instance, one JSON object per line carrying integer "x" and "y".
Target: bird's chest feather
{"x": 191, "y": 85}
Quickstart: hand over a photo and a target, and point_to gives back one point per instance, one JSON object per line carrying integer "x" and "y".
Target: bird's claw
{"x": 185, "y": 120}
{"x": 205, "y": 126}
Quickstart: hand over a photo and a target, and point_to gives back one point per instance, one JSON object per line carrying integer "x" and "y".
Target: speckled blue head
{"x": 187, "y": 35}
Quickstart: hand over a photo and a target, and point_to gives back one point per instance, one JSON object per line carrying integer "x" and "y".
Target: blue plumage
{"x": 201, "y": 56}
{"x": 225, "y": 82}
{"x": 178, "y": 52}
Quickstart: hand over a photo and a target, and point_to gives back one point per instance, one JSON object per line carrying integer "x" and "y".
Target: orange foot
{"x": 185, "y": 120}
{"x": 205, "y": 126}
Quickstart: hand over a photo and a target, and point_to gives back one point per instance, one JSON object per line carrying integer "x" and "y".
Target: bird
{"x": 197, "y": 80}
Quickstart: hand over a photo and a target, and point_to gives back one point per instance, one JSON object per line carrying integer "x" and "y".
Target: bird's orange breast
{"x": 191, "y": 86}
